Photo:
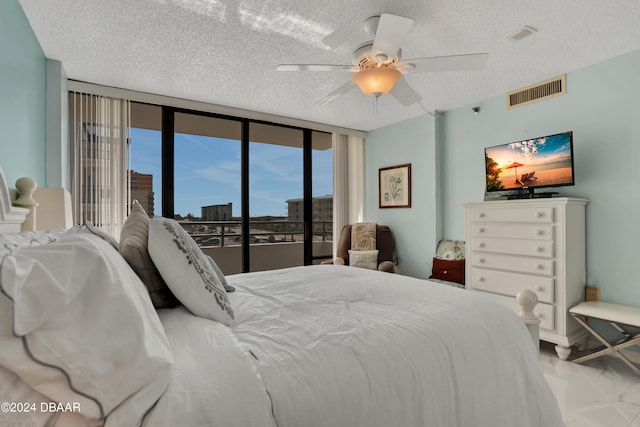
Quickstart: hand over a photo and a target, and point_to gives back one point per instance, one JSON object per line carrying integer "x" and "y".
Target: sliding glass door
{"x": 254, "y": 195}
{"x": 207, "y": 194}
{"x": 275, "y": 191}
{"x": 322, "y": 196}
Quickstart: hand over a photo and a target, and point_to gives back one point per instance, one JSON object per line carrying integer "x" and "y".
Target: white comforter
{"x": 342, "y": 346}
{"x": 346, "y": 347}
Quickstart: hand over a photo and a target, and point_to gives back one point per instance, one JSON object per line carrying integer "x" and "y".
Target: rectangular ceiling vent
{"x": 537, "y": 92}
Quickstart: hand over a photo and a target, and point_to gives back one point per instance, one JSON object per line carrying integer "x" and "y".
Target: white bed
{"x": 308, "y": 346}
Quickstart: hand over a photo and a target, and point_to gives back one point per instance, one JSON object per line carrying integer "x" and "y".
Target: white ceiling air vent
{"x": 522, "y": 33}
{"x": 537, "y": 92}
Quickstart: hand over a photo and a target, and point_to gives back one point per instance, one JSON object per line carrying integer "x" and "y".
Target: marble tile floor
{"x": 603, "y": 392}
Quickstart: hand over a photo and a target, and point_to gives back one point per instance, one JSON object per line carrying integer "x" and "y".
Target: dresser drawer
{"x": 513, "y": 231}
{"x": 538, "y": 215}
{"x": 537, "y": 248}
{"x": 544, "y": 312}
{"x": 527, "y": 265}
{"x": 509, "y": 284}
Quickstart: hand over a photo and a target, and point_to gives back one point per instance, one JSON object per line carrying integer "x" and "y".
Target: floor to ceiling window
{"x": 220, "y": 176}
{"x": 145, "y": 164}
{"x": 207, "y": 193}
{"x": 275, "y": 181}
{"x": 322, "y": 194}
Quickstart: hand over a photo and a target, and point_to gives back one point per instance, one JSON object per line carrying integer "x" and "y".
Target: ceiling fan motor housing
{"x": 362, "y": 57}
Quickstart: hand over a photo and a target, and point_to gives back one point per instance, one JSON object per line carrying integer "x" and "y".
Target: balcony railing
{"x": 229, "y": 233}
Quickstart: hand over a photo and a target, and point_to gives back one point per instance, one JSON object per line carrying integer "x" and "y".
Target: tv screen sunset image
{"x": 537, "y": 162}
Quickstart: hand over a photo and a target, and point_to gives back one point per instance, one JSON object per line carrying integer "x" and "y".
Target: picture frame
{"x": 394, "y": 186}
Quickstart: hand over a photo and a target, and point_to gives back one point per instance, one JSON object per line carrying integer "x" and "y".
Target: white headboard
{"x": 11, "y": 217}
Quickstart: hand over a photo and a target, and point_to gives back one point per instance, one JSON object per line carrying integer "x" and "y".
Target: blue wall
{"x": 415, "y": 228}
{"x": 601, "y": 107}
{"x": 22, "y": 96}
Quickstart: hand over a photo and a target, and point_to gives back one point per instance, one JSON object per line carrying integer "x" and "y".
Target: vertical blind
{"x": 348, "y": 184}
{"x": 99, "y": 136}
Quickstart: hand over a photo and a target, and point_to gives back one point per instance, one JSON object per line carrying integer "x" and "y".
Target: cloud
{"x": 528, "y": 148}
{"x": 227, "y": 173}
{"x": 275, "y": 163}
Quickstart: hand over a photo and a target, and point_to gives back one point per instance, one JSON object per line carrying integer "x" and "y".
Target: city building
{"x": 141, "y": 187}
{"x": 322, "y": 209}
{"x": 217, "y": 212}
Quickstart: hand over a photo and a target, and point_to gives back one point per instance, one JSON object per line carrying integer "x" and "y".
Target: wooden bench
{"x": 620, "y": 317}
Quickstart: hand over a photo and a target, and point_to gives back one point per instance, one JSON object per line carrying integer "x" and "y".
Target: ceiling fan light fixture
{"x": 376, "y": 81}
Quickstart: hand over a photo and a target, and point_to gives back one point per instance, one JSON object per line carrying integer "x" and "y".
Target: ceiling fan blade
{"x": 391, "y": 32}
{"x": 315, "y": 67}
{"x": 337, "y": 38}
{"x": 470, "y": 62}
{"x": 337, "y": 93}
{"x": 404, "y": 93}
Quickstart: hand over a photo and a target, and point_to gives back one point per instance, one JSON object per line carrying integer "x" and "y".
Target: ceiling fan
{"x": 377, "y": 66}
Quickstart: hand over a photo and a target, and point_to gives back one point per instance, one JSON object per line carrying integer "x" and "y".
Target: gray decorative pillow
{"x": 134, "y": 242}
{"x": 364, "y": 259}
{"x": 187, "y": 271}
{"x": 223, "y": 280}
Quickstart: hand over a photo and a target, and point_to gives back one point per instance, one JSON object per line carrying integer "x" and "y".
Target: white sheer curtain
{"x": 348, "y": 182}
{"x": 99, "y": 136}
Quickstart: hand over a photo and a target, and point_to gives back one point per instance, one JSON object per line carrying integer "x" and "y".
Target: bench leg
{"x": 609, "y": 349}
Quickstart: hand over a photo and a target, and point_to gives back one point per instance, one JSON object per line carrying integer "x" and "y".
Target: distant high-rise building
{"x": 322, "y": 209}
{"x": 217, "y": 212}
{"x": 142, "y": 190}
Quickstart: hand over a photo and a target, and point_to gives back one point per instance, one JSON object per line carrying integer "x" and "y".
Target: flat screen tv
{"x": 530, "y": 164}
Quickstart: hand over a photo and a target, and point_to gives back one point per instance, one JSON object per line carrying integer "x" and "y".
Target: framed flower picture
{"x": 394, "y": 186}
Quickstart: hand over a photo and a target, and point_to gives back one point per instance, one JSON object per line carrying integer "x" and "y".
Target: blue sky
{"x": 207, "y": 172}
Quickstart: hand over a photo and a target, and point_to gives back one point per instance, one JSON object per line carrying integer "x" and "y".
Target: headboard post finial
{"x": 25, "y": 187}
{"x": 528, "y": 300}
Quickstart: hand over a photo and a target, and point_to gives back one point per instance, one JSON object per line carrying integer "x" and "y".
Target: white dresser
{"x": 536, "y": 244}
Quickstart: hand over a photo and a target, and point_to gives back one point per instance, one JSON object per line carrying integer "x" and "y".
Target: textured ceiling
{"x": 225, "y": 52}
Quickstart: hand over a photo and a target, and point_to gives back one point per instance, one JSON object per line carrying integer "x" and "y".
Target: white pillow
{"x": 187, "y": 271}
{"x": 77, "y": 325}
{"x": 364, "y": 259}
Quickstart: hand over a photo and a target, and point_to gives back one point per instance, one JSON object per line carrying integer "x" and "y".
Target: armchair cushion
{"x": 384, "y": 244}
{"x": 364, "y": 259}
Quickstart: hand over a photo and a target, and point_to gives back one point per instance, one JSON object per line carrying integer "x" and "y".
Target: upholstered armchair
{"x": 383, "y": 244}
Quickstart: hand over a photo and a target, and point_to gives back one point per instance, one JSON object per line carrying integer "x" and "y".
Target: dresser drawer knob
{"x": 539, "y": 266}
{"x": 481, "y": 245}
{"x": 481, "y": 230}
{"x": 540, "y": 232}
{"x": 539, "y": 288}
{"x": 540, "y": 315}
{"x": 481, "y": 260}
{"x": 481, "y": 215}
{"x": 480, "y": 279}
{"x": 540, "y": 214}
{"x": 540, "y": 249}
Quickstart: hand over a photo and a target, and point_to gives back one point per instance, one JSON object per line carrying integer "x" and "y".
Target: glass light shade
{"x": 376, "y": 81}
